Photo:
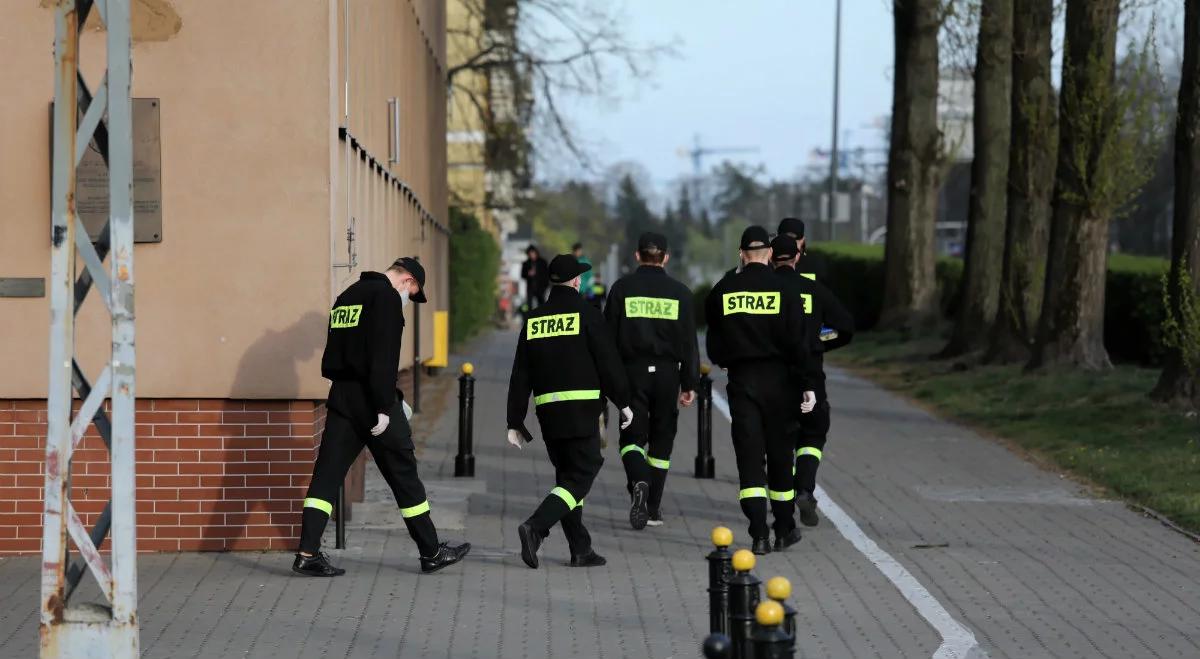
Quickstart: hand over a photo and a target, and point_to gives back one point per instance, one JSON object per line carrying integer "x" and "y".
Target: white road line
{"x": 957, "y": 641}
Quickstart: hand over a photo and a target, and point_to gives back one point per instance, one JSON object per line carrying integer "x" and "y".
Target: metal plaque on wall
{"x": 91, "y": 179}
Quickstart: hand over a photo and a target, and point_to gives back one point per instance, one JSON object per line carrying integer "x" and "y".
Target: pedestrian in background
{"x": 536, "y": 276}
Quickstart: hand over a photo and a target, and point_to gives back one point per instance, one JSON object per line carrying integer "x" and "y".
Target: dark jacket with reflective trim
{"x": 752, "y": 319}
{"x": 363, "y": 344}
{"x": 565, "y": 354}
{"x": 650, "y": 315}
{"x": 821, "y": 309}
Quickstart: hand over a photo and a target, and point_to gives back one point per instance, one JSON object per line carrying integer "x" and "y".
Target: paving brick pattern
{"x": 1025, "y": 559}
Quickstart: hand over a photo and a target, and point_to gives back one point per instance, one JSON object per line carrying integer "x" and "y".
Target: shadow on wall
{"x": 270, "y": 367}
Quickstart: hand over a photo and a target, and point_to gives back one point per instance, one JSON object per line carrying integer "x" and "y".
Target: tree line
{"x": 1050, "y": 171}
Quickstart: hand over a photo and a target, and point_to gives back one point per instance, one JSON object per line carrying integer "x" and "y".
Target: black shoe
{"x": 316, "y": 565}
{"x": 806, "y": 503}
{"x": 530, "y": 542}
{"x": 655, "y": 518}
{"x": 788, "y": 540}
{"x": 447, "y": 555}
{"x": 638, "y": 514}
{"x": 590, "y": 559}
{"x": 761, "y": 546}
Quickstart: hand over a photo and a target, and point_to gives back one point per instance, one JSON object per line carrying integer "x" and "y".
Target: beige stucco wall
{"x": 233, "y": 302}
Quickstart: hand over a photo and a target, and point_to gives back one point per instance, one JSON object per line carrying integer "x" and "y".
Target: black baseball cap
{"x": 414, "y": 268}
{"x": 565, "y": 267}
{"x": 791, "y": 227}
{"x": 783, "y": 248}
{"x": 755, "y": 237}
{"x": 651, "y": 241}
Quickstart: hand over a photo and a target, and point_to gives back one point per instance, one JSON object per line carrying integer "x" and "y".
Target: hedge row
{"x": 476, "y": 259}
{"x": 1133, "y": 313}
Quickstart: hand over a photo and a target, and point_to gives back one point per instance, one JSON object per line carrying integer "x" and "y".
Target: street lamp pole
{"x": 833, "y": 154}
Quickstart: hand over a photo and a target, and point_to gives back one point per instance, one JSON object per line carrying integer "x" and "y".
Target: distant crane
{"x": 697, "y": 153}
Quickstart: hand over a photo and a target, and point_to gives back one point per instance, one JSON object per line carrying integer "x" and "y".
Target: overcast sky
{"x": 757, "y": 73}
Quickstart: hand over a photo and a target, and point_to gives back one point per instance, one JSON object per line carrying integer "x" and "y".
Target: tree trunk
{"x": 1031, "y": 155}
{"x": 910, "y": 285}
{"x": 1178, "y": 383}
{"x": 1071, "y": 331}
{"x": 989, "y": 178}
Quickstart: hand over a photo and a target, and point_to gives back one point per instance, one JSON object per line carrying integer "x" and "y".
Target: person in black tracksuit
{"x": 756, "y": 332}
{"x": 836, "y": 329}
{"x": 362, "y": 358}
{"x": 650, "y": 314}
{"x": 565, "y": 358}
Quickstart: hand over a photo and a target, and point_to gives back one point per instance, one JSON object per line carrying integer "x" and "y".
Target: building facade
{"x": 298, "y": 144}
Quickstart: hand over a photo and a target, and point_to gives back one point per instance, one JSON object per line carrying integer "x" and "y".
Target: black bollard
{"x": 705, "y": 465}
{"x": 718, "y": 646}
{"x": 464, "y": 462}
{"x": 769, "y": 639}
{"x": 779, "y": 589}
{"x": 743, "y": 599}
{"x": 339, "y": 524}
{"x": 720, "y": 569}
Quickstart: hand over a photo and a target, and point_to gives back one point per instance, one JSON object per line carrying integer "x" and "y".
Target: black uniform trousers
{"x": 646, "y": 444}
{"x": 811, "y": 433}
{"x": 576, "y": 462}
{"x": 342, "y": 441}
{"x": 762, "y": 405}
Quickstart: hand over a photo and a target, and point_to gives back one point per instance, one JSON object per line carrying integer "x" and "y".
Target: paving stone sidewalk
{"x": 1024, "y": 559}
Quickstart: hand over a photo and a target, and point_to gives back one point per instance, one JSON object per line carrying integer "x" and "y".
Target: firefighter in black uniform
{"x": 362, "y": 358}
{"x": 835, "y": 328}
{"x": 756, "y": 332}
{"x": 650, "y": 315}
{"x": 565, "y": 357}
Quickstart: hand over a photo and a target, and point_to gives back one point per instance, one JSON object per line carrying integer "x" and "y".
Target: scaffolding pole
{"x": 102, "y": 118}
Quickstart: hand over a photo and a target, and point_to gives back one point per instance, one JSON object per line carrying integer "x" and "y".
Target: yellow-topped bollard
{"x": 779, "y": 588}
{"x": 769, "y": 613}
{"x": 706, "y": 464}
{"x": 743, "y": 560}
{"x": 468, "y": 368}
{"x": 722, "y": 537}
{"x": 705, "y": 368}
{"x": 464, "y": 462}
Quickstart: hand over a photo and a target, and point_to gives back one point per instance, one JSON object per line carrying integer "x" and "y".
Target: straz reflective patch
{"x": 343, "y": 317}
{"x": 750, "y": 302}
{"x": 807, "y": 303}
{"x": 652, "y": 307}
{"x": 563, "y": 324}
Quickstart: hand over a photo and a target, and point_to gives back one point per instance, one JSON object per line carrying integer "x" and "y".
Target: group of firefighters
{"x": 769, "y": 322}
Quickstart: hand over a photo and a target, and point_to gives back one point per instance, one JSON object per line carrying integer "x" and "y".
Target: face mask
{"x": 403, "y": 299}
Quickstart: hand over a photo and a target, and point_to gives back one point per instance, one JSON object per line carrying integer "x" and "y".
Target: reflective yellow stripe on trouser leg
{"x": 632, "y": 447}
{"x": 752, "y": 493}
{"x": 786, "y": 495}
{"x": 320, "y": 504}
{"x": 566, "y": 496}
{"x": 658, "y": 463}
{"x": 809, "y": 450}
{"x": 413, "y": 511}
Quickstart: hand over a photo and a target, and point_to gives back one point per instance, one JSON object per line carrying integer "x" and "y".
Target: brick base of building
{"x": 211, "y": 474}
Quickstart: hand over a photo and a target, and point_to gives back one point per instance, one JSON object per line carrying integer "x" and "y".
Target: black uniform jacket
{"x": 650, "y": 315}
{"x": 363, "y": 346}
{"x": 821, "y": 309}
{"x": 565, "y": 358}
{"x": 751, "y": 318}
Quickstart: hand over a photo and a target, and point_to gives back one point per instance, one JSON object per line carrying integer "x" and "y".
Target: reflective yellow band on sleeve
{"x": 574, "y": 394}
{"x": 753, "y": 493}
{"x": 566, "y": 497}
{"x": 658, "y": 463}
{"x": 787, "y": 495}
{"x": 320, "y": 504}
{"x": 413, "y": 511}
{"x": 809, "y": 450}
{"x": 632, "y": 447}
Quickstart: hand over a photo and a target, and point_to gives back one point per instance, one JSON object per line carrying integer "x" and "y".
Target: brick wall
{"x": 211, "y": 474}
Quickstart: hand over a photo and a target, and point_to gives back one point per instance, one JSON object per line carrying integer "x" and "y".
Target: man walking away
{"x": 650, "y": 315}
{"x": 533, "y": 271}
{"x": 585, "y": 280}
{"x": 362, "y": 358}
{"x": 565, "y": 358}
{"x": 756, "y": 332}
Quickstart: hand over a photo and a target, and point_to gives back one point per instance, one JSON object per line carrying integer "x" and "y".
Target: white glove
{"x": 407, "y": 409}
{"x": 626, "y": 417}
{"x": 515, "y": 439}
{"x": 810, "y": 402}
{"x": 381, "y": 425}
